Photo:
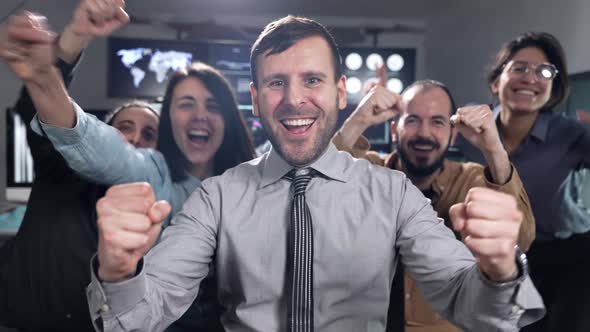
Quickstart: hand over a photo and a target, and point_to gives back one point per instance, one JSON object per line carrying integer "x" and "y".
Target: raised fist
{"x": 26, "y": 45}
{"x": 129, "y": 222}
{"x": 99, "y": 18}
{"x": 476, "y": 124}
{"x": 489, "y": 222}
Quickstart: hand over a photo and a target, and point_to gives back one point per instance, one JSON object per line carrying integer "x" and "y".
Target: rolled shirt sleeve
{"x": 99, "y": 153}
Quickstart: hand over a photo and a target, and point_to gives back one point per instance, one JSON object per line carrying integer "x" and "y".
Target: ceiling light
{"x": 374, "y": 61}
{"x": 395, "y": 85}
{"x": 395, "y": 62}
{"x": 353, "y": 61}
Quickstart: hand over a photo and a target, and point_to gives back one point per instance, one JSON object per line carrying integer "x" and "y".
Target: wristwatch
{"x": 522, "y": 271}
{"x": 522, "y": 263}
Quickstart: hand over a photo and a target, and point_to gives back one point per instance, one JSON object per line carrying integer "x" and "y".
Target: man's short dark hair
{"x": 283, "y": 33}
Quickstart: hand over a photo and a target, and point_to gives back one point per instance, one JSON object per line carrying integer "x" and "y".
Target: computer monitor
{"x": 139, "y": 68}
{"x": 19, "y": 162}
{"x": 233, "y": 60}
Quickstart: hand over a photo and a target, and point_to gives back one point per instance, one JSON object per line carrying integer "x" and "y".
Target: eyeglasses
{"x": 543, "y": 71}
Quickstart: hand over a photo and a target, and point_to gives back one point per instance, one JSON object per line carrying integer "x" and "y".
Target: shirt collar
{"x": 329, "y": 165}
{"x": 541, "y": 126}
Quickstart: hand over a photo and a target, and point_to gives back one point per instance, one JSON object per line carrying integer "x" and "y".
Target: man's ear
{"x": 254, "y": 94}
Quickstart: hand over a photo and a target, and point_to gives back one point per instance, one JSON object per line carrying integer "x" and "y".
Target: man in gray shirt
{"x": 304, "y": 250}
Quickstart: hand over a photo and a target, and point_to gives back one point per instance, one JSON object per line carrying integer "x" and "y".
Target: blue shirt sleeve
{"x": 98, "y": 152}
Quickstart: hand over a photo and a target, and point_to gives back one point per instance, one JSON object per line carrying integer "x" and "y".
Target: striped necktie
{"x": 300, "y": 255}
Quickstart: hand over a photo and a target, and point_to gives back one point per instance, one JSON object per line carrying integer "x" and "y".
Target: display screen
{"x": 233, "y": 60}
{"x": 19, "y": 161}
{"x": 139, "y": 68}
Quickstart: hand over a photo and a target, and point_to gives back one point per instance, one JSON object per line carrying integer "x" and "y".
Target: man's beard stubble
{"x": 420, "y": 171}
{"x": 319, "y": 146}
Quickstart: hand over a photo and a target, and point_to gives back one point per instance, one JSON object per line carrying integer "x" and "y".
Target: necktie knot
{"x": 300, "y": 178}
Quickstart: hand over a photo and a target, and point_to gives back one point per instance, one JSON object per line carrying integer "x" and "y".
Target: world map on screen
{"x": 147, "y": 61}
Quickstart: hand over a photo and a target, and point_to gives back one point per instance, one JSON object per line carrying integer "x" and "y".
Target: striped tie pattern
{"x": 300, "y": 255}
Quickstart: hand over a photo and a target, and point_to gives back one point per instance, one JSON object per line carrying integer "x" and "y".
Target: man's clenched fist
{"x": 129, "y": 222}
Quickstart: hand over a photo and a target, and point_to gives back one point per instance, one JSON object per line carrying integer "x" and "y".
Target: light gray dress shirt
{"x": 365, "y": 218}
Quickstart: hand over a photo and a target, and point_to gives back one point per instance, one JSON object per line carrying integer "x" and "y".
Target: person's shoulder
{"x": 566, "y": 131}
{"x": 248, "y": 168}
{"x": 363, "y": 170}
{"x": 246, "y": 172}
{"x": 463, "y": 166}
{"x": 460, "y": 172}
{"x": 563, "y": 124}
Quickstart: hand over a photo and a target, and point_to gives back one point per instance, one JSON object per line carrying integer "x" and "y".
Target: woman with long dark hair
{"x": 228, "y": 146}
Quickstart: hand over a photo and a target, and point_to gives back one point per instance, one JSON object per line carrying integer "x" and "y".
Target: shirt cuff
{"x": 510, "y": 186}
{"x": 60, "y": 136}
{"x": 518, "y": 301}
{"x": 68, "y": 68}
{"x": 107, "y": 300}
{"x": 528, "y": 303}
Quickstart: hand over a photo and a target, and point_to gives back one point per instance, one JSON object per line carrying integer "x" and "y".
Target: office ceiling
{"x": 414, "y": 9}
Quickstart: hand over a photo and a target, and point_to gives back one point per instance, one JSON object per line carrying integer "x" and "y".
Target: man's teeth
{"x": 525, "y": 92}
{"x": 298, "y": 122}
{"x": 423, "y": 147}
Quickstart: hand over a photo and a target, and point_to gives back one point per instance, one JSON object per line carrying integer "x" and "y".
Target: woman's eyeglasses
{"x": 543, "y": 71}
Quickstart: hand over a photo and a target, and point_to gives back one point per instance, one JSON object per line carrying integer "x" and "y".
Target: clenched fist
{"x": 99, "y": 18}
{"x": 129, "y": 222}
{"x": 476, "y": 124}
{"x": 26, "y": 45}
{"x": 378, "y": 106}
{"x": 489, "y": 222}
{"x": 91, "y": 19}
